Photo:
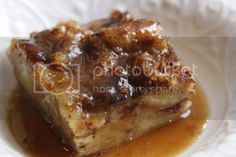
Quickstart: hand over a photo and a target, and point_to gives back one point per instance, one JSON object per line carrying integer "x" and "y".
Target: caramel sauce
{"x": 38, "y": 139}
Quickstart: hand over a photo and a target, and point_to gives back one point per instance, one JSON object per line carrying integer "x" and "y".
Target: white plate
{"x": 203, "y": 33}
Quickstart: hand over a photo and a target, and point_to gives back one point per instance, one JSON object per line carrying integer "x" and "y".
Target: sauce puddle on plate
{"x": 38, "y": 139}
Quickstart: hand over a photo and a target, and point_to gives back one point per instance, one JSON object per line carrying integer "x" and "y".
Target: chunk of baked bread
{"x": 103, "y": 83}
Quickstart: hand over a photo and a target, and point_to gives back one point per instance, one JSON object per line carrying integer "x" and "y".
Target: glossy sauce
{"x": 38, "y": 139}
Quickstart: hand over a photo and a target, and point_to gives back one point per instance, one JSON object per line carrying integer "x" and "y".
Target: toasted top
{"x": 112, "y": 56}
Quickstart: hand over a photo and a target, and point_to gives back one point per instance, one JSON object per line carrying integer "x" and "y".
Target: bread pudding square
{"x": 105, "y": 82}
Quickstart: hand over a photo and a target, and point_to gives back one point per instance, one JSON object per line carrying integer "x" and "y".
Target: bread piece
{"x": 146, "y": 85}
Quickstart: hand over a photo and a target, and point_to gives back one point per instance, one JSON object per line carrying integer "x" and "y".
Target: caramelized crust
{"x": 116, "y": 46}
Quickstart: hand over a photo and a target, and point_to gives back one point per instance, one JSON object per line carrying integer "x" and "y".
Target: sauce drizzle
{"x": 38, "y": 139}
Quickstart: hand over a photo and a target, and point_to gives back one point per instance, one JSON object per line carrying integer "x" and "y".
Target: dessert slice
{"x": 103, "y": 83}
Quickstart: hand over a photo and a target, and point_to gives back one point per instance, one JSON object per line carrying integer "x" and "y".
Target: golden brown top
{"x": 116, "y": 55}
